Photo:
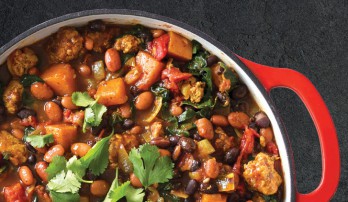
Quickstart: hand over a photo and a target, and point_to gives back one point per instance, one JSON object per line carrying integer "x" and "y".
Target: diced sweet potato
{"x": 61, "y": 78}
{"x": 214, "y": 197}
{"x": 112, "y": 92}
{"x": 179, "y": 47}
{"x": 63, "y": 134}
{"x": 151, "y": 70}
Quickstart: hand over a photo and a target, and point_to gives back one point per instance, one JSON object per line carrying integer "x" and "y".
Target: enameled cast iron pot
{"x": 260, "y": 79}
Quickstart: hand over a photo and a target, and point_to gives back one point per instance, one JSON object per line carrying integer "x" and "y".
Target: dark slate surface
{"x": 307, "y": 36}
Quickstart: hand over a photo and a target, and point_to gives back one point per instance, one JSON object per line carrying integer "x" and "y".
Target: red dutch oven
{"x": 260, "y": 79}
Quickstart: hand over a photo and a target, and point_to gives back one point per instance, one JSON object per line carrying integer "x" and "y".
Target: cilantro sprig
{"x": 40, "y": 141}
{"x": 117, "y": 191}
{"x": 149, "y": 166}
{"x": 93, "y": 112}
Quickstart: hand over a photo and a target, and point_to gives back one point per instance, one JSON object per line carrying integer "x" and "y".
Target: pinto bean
{"x": 205, "y": 128}
{"x": 89, "y": 43}
{"x": 175, "y": 109}
{"x": 136, "y": 130}
{"x": 112, "y": 60}
{"x": 211, "y": 168}
{"x": 238, "y": 119}
{"x": 53, "y": 111}
{"x": 85, "y": 70}
{"x": 160, "y": 142}
{"x": 40, "y": 168}
{"x": 26, "y": 175}
{"x": 68, "y": 103}
{"x": 41, "y": 91}
{"x": 135, "y": 181}
{"x": 80, "y": 149}
{"x": 99, "y": 188}
{"x": 18, "y": 133}
{"x": 126, "y": 111}
{"x": 56, "y": 150}
{"x": 219, "y": 120}
{"x": 144, "y": 100}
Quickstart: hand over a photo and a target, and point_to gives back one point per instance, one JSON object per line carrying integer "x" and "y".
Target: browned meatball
{"x": 20, "y": 61}
{"x": 65, "y": 45}
{"x": 12, "y": 96}
{"x": 102, "y": 40}
{"x": 261, "y": 175}
{"x": 127, "y": 44}
{"x": 14, "y": 147}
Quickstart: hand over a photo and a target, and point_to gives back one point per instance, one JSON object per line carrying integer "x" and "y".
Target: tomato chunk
{"x": 159, "y": 47}
{"x": 151, "y": 70}
{"x": 172, "y": 76}
{"x": 15, "y": 193}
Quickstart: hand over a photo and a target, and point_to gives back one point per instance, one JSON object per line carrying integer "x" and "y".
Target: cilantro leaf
{"x": 82, "y": 99}
{"x": 96, "y": 159}
{"x": 59, "y": 197}
{"x": 149, "y": 167}
{"x": 28, "y": 79}
{"x": 57, "y": 165}
{"x": 77, "y": 168}
{"x": 40, "y": 141}
{"x": 119, "y": 192}
{"x": 134, "y": 195}
{"x": 98, "y": 111}
{"x": 64, "y": 182}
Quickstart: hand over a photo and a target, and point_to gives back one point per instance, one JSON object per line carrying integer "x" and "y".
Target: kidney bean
{"x": 128, "y": 124}
{"x": 231, "y": 156}
{"x": 160, "y": 142}
{"x": 126, "y": 111}
{"x": 135, "y": 181}
{"x": 41, "y": 91}
{"x": 157, "y": 32}
{"x": 25, "y": 113}
{"x": 205, "y": 128}
{"x": 68, "y": 103}
{"x": 174, "y": 140}
{"x": 219, "y": 120}
{"x": 53, "y": 111}
{"x": 144, "y": 100}
{"x": 89, "y": 43}
{"x": 136, "y": 130}
{"x": 84, "y": 70}
{"x": 31, "y": 159}
{"x": 176, "y": 152}
{"x": 211, "y": 168}
{"x": 99, "y": 188}
{"x": 187, "y": 144}
{"x": 239, "y": 92}
{"x": 112, "y": 60}
{"x": 262, "y": 120}
{"x": 18, "y": 133}
{"x": 40, "y": 168}
{"x": 191, "y": 187}
{"x": 209, "y": 188}
{"x": 80, "y": 149}
{"x": 26, "y": 175}
{"x": 56, "y": 150}
{"x": 238, "y": 119}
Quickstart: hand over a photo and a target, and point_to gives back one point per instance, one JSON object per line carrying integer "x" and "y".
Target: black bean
{"x": 134, "y": 90}
{"x": 191, "y": 187}
{"x": 30, "y": 148}
{"x": 261, "y": 120}
{"x": 128, "y": 124}
{"x": 58, "y": 101}
{"x": 197, "y": 137}
{"x": 146, "y": 36}
{"x": 97, "y": 25}
{"x": 160, "y": 142}
{"x": 253, "y": 125}
{"x": 25, "y": 113}
{"x": 233, "y": 197}
{"x": 242, "y": 107}
{"x": 174, "y": 140}
{"x": 239, "y": 92}
{"x": 97, "y": 129}
{"x": 32, "y": 159}
{"x": 195, "y": 165}
{"x": 187, "y": 144}
{"x": 90, "y": 176}
{"x": 221, "y": 96}
{"x": 231, "y": 156}
{"x": 209, "y": 188}
{"x": 212, "y": 59}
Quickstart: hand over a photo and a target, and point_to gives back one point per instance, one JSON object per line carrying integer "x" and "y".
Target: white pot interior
{"x": 148, "y": 22}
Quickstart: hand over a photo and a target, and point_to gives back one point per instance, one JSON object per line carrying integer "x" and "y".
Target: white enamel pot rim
{"x": 156, "y": 21}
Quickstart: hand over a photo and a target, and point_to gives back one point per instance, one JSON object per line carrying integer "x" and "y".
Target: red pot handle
{"x": 286, "y": 78}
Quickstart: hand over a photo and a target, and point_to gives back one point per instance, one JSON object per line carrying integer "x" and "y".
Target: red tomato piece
{"x": 15, "y": 193}
{"x": 159, "y": 47}
{"x": 171, "y": 77}
{"x": 272, "y": 148}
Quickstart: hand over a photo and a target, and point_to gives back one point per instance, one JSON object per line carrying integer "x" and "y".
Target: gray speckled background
{"x": 308, "y": 36}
